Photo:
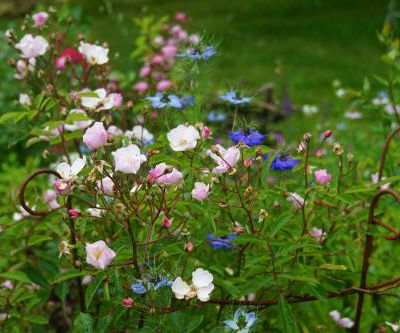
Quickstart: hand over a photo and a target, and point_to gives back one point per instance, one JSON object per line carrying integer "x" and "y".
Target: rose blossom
{"x": 322, "y": 177}
{"x": 141, "y": 87}
{"x": 114, "y": 130}
{"x": 128, "y": 302}
{"x": 95, "y": 54}
{"x": 40, "y": 18}
{"x": 164, "y": 175}
{"x": 68, "y": 55}
{"x": 158, "y": 59}
{"x": 68, "y": 175}
{"x": 99, "y": 254}
{"x": 318, "y": 234}
{"x": 180, "y": 16}
{"x": 183, "y": 138}
{"x": 95, "y": 136}
{"x": 32, "y": 47}
{"x": 169, "y": 51}
{"x": 201, "y": 287}
{"x": 102, "y": 101}
{"x": 128, "y": 159}
{"x": 106, "y": 186}
{"x": 205, "y": 132}
{"x": 140, "y": 133}
{"x": 167, "y": 222}
{"x": 201, "y": 191}
{"x": 225, "y": 158}
{"x": 163, "y": 85}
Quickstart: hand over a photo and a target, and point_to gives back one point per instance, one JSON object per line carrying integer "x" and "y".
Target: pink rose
{"x": 225, "y": 158}
{"x": 164, "y": 85}
{"x": 141, "y": 87}
{"x": 157, "y": 59}
{"x": 322, "y": 177}
{"x": 206, "y": 132}
{"x": 114, "y": 130}
{"x": 164, "y": 174}
{"x": 169, "y": 51}
{"x": 106, "y": 186}
{"x": 201, "y": 191}
{"x": 128, "y": 302}
{"x": 167, "y": 222}
{"x": 95, "y": 136}
{"x": 117, "y": 99}
{"x": 62, "y": 187}
{"x": 128, "y": 159}
{"x": 40, "y": 18}
{"x": 99, "y": 254}
{"x": 74, "y": 213}
{"x": 180, "y": 16}
{"x": 145, "y": 71}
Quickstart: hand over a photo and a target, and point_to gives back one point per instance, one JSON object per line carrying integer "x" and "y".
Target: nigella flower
{"x": 242, "y": 321}
{"x": 231, "y": 97}
{"x": 195, "y": 54}
{"x": 214, "y": 116}
{"x": 152, "y": 284}
{"x": 283, "y": 163}
{"x": 187, "y": 101}
{"x": 159, "y": 101}
{"x": 254, "y": 137}
{"x": 221, "y": 242}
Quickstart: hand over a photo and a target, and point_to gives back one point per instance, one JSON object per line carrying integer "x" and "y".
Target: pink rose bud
{"x": 141, "y": 87}
{"x": 189, "y": 246}
{"x": 50, "y": 195}
{"x": 62, "y": 187}
{"x": 169, "y": 51}
{"x": 164, "y": 85}
{"x": 99, "y": 254}
{"x": 205, "y": 132}
{"x": 157, "y": 59}
{"x": 145, "y": 71}
{"x": 201, "y": 191}
{"x": 247, "y": 163}
{"x": 328, "y": 133}
{"x": 40, "y": 18}
{"x": 180, "y": 16}
{"x": 95, "y": 136}
{"x": 128, "y": 302}
{"x": 167, "y": 222}
{"x": 319, "y": 153}
{"x": 74, "y": 212}
{"x": 322, "y": 177}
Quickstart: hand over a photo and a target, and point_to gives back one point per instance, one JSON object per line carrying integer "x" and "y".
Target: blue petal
{"x": 231, "y": 324}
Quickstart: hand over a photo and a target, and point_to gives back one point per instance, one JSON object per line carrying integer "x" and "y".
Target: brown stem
{"x": 389, "y": 138}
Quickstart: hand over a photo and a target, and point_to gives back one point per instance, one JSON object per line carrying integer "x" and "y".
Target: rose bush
{"x": 149, "y": 216}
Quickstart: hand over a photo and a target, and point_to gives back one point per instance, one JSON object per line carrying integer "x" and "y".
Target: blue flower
{"x": 187, "y": 101}
{"x": 254, "y": 138}
{"x": 195, "y": 55}
{"x": 241, "y": 326}
{"x": 139, "y": 288}
{"x": 175, "y": 102}
{"x": 164, "y": 282}
{"x": 230, "y": 96}
{"x": 283, "y": 163}
{"x": 216, "y": 116}
{"x": 157, "y": 100}
{"x": 221, "y": 242}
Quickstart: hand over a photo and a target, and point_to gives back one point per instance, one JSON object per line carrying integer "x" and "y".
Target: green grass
{"x": 316, "y": 41}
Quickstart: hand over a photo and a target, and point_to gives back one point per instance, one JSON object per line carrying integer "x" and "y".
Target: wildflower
{"x": 140, "y": 133}
{"x": 114, "y": 130}
{"x": 216, "y": 116}
{"x": 68, "y": 175}
{"x": 164, "y": 85}
{"x": 375, "y": 180}
{"x": 49, "y": 195}
{"x": 318, "y": 234}
{"x": 221, "y": 242}
{"x": 94, "y": 54}
{"x": 241, "y": 325}
{"x": 7, "y": 284}
{"x": 322, "y": 176}
{"x": 106, "y": 186}
{"x": 159, "y": 101}
{"x": 327, "y": 133}
{"x": 189, "y": 246}
{"x": 141, "y": 87}
{"x": 32, "y": 47}
{"x": 99, "y": 100}
{"x": 95, "y": 136}
{"x": 206, "y": 132}
{"x": 128, "y": 159}
{"x": 167, "y": 222}
{"x": 86, "y": 280}
{"x": 394, "y": 327}
{"x": 128, "y": 302}
{"x": 152, "y": 284}
{"x": 40, "y": 18}
{"x": 183, "y": 138}
{"x": 69, "y": 55}
{"x": 24, "y": 99}
{"x": 225, "y": 158}
{"x": 195, "y": 54}
{"x": 254, "y": 137}
{"x": 201, "y": 191}
{"x": 138, "y": 288}
{"x": 74, "y": 212}
{"x": 99, "y": 254}
{"x": 231, "y": 97}
{"x": 180, "y": 16}
{"x": 201, "y": 287}
{"x": 342, "y": 322}
{"x": 283, "y": 163}
{"x": 164, "y": 174}
{"x": 169, "y": 51}
{"x": 145, "y": 71}
{"x": 79, "y": 124}
{"x": 297, "y": 200}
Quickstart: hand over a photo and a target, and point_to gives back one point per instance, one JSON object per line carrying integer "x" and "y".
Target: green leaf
{"x": 70, "y": 274}
{"x": 83, "y": 323}
{"x": 18, "y": 276}
{"x": 92, "y": 288}
{"x": 14, "y": 116}
{"x": 286, "y": 318}
{"x": 88, "y": 94}
{"x": 37, "y": 239}
{"x": 36, "y": 319}
{"x": 77, "y": 116}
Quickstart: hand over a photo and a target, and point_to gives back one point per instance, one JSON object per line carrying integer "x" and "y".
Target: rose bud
{"x": 128, "y": 302}
{"x": 328, "y": 133}
{"x": 189, "y": 246}
{"x": 74, "y": 212}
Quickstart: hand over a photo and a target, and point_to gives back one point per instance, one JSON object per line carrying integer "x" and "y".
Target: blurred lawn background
{"x": 315, "y": 41}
